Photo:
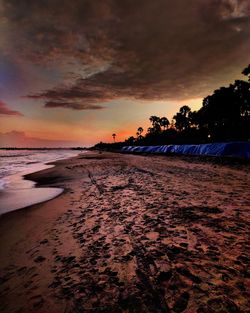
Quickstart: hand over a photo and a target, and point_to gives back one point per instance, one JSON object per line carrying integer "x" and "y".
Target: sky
{"x": 75, "y": 72}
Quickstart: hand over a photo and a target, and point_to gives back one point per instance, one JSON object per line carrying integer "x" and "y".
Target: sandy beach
{"x": 130, "y": 234}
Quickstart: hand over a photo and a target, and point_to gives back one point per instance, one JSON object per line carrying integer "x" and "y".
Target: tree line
{"x": 224, "y": 116}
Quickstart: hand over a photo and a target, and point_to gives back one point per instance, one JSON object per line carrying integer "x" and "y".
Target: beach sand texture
{"x": 130, "y": 234}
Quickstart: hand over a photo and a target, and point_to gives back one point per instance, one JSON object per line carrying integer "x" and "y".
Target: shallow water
{"x": 16, "y": 192}
{"x": 13, "y": 200}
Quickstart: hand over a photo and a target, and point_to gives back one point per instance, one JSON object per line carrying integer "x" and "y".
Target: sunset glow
{"x": 99, "y": 67}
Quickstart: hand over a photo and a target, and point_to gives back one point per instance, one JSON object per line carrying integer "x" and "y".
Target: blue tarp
{"x": 232, "y": 149}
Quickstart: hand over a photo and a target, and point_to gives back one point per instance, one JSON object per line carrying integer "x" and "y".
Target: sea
{"x": 16, "y": 192}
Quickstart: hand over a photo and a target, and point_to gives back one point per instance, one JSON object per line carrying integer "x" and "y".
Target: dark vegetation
{"x": 224, "y": 116}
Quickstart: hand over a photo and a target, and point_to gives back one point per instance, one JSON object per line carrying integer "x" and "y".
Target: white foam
{"x": 17, "y": 192}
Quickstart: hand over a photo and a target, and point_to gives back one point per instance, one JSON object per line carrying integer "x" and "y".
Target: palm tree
{"x": 150, "y": 130}
{"x": 139, "y": 133}
{"x": 140, "y": 130}
{"x": 164, "y": 122}
{"x": 182, "y": 118}
{"x": 184, "y": 110}
{"x": 114, "y": 136}
{"x": 155, "y": 120}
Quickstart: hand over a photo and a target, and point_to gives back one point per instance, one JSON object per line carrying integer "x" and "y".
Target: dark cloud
{"x": 71, "y": 105}
{"x": 142, "y": 49}
{"x": 4, "y": 110}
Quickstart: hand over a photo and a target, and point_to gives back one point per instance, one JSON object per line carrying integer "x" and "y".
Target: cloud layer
{"x": 20, "y": 139}
{"x": 140, "y": 49}
{"x": 5, "y": 110}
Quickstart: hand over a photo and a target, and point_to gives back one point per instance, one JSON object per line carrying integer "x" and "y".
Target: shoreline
{"x": 37, "y": 192}
{"x": 129, "y": 234}
{"x": 29, "y": 207}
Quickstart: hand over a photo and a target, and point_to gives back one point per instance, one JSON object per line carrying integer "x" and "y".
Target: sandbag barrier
{"x": 229, "y": 149}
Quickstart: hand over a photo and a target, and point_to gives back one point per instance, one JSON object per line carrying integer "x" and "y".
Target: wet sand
{"x": 130, "y": 234}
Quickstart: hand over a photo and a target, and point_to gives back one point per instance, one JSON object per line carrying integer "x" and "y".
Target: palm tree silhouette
{"x": 114, "y": 136}
{"x": 182, "y": 118}
{"x": 164, "y": 122}
{"x": 140, "y": 130}
{"x": 155, "y": 121}
{"x": 139, "y": 133}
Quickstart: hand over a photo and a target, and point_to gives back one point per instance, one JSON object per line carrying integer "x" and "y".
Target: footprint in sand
{"x": 39, "y": 259}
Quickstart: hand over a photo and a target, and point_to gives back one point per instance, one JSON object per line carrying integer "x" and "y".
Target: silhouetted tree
{"x": 130, "y": 141}
{"x": 244, "y": 89}
{"x": 182, "y": 118}
{"x": 185, "y": 110}
{"x": 164, "y": 122}
{"x": 140, "y": 130}
{"x": 139, "y": 133}
{"x": 151, "y": 130}
{"x": 193, "y": 119}
{"x": 224, "y": 115}
{"x": 246, "y": 72}
{"x": 226, "y": 112}
{"x": 155, "y": 121}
